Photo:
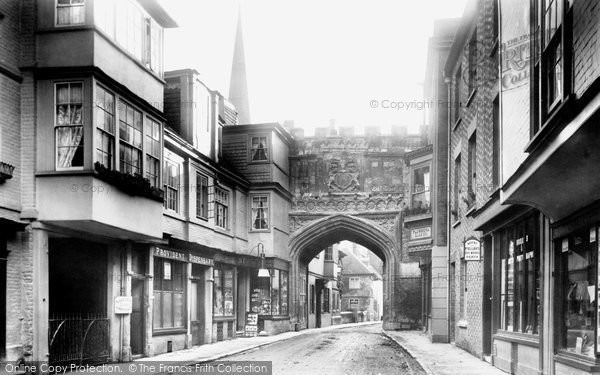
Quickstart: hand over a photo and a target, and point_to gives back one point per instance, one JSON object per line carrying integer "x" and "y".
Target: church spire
{"x": 238, "y": 86}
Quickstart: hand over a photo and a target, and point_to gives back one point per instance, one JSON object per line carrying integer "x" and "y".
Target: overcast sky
{"x": 313, "y": 60}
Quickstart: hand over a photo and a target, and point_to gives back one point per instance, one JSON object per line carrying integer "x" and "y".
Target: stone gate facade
{"x": 341, "y": 182}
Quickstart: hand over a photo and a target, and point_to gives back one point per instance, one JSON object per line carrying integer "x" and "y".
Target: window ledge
{"x": 274, "y": 317}
{"x": 169, "y": 331}
{"x": 462, "y": 323}
{"x": 551, "y": 124}
{"x": 223, "y": 318}
{"x": 260, "y": 230}
{"x": 578, "y": 361}
{"x": 519, "y": 338}
{"x": 456, "y": 223}
{"x": 471, "y": 96}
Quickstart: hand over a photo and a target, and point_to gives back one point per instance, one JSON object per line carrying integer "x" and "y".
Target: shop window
{"x": 354, "y": 283}
{"x": 259, "y": 150}
{"x": 69, "y": 125}
{"x": 223, "y": 291}
{"x": 578, "y": 257}
{"x": 270, "y": 295}
{"x": 221, "y": 208}
{"x": 130, "y": 139}
{"x": 326, "y": 303}
{"x": 201, "y": 196}
{"x": 70, "y": 12}
{"x": 260, "y": 212}
{"x": 105, "y": 127}
{"x": 171, "y": 182}
{"x": 169, "y": 301}
{"x": 519, "y": 276}
{"x": 153, "y": 150}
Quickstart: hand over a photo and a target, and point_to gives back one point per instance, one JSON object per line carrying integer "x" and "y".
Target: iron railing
{"x": 79, "y": 339}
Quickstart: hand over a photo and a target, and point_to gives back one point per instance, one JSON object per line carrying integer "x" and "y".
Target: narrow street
{"x": 354, "y": 350}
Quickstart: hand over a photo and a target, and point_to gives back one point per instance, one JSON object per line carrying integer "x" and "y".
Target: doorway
{"x": 137, "y": 316}
{"x": 319, "y": 285}
{"x": 487, "y": 296}
{"x": 197, "y": 294}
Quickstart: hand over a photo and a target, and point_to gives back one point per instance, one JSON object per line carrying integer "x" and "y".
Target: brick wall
{"x": 476, "y": 115}
{"x": 586, "y": 46}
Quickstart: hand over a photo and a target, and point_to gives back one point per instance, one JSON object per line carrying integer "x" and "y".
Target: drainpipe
{"x": 448, "y": 82}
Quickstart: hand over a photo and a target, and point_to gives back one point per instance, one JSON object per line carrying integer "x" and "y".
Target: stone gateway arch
{"x": 354, "y": 188}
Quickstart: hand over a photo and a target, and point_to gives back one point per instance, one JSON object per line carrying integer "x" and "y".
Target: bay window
{"x": 70, "y": 12}
{"x": 223, "y": 291}
{"x": 270, "y": 295}
{"x": 69, "y": 125}
{"x": 577, "y": 256}
{"x": 260, "y": 212}
{"x": 130, "y": 26}
{"x": 519, "y": 247}
{"x": 169, "y": 305}
{"x": 130, "y": 135}
{"x": 420, "y": 191}
{"x": 105, "y": 127}
{"x": 153, "y": 150}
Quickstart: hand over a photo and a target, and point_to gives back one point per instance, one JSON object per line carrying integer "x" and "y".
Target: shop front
{"x": 513, "y": 290}
{"x": 576, "y": 267}
{"x": 182, "y": 296}
{"x": 270, "y": 298}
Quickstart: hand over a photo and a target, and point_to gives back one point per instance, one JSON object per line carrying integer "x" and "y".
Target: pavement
{"x": 221, "y": 349}
{"x": 441, "y": 359}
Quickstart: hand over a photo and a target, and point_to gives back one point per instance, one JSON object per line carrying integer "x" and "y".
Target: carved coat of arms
{"x": 343, "y": 175}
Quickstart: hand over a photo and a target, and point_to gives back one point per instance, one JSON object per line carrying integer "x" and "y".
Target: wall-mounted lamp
{"x": 262, "y": 271}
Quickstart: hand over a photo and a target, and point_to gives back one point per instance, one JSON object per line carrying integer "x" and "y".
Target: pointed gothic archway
{"x": 310, "y": 240}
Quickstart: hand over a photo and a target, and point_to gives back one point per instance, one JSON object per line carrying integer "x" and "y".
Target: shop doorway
{"x": 197, "y": 310}
{"x": 137, "y": 316}
{"x": 138, "y": 279}
{"x": 319, "y": 284}
{"x": 487, "y": 297}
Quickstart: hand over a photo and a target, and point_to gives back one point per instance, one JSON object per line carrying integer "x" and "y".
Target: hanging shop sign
{"x": 123, "y": 305}
{"x": 472, "y": 249}
{"x": 201, "y": 260}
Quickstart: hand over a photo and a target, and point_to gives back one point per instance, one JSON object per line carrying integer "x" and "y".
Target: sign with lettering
{"x": 165, "y": 253}
{"x": 123, "y": 304}
{"x": 251, "y": 327}
{"x": 472, "y": 249}
{"x": 353, "y": 302}
{"x": 420, "y": 233}
{"x": 201, "y": 260}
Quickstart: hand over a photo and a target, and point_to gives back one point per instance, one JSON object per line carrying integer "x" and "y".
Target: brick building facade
{"x": 523, "y": 90}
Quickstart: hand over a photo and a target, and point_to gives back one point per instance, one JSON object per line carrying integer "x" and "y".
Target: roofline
{"x": 158, "y": 13}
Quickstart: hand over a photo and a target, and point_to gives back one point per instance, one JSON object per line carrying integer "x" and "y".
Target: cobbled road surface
{"x": 356, "y": 350}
